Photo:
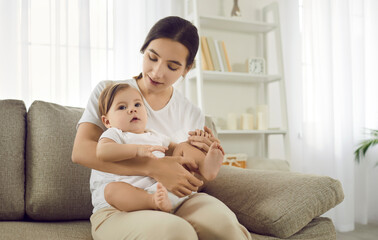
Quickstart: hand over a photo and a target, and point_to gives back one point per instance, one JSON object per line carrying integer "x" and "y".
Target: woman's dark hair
{"x": 176, "y": 29}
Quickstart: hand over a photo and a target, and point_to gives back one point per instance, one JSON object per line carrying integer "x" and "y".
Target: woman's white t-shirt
{"x": 174, "y": 120}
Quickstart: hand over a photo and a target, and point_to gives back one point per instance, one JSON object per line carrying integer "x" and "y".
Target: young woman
{"x": 169, "y": 51}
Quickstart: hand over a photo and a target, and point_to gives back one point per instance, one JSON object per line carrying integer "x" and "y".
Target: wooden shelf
{"x": 233, "y": 132}
{"x": 233, "y": 77}
{"x": 235, "y": 24}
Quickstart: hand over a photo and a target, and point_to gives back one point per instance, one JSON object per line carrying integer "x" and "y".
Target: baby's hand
{"x": 146, "y": 150}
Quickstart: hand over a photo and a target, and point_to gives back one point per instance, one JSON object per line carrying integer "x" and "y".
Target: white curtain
{"x": 332, "y": 97}
{"x": 58, "y": 50}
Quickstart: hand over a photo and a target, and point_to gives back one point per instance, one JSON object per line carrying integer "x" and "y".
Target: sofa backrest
{"x": 12, "y": 170}
{"x": 56, "y": 188}
{"x": 37, "y": 176}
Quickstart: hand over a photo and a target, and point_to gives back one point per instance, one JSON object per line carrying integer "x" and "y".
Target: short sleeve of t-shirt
{"x": 113, "y": 134}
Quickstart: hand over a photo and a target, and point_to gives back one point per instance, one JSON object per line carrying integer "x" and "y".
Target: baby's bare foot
{"x": 161, "y": 199}
{"x": 209, "y": 168}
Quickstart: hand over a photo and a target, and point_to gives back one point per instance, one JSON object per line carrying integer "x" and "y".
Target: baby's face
{"x": 127, "y": 112}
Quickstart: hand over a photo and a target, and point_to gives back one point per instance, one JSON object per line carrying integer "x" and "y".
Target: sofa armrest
{"x": 272, "y": 202}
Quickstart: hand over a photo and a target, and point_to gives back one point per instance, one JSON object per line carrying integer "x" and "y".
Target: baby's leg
{"x": 161, "y": 198}
{"x": 209, "y": 164}
{"x": 126, "y": 197}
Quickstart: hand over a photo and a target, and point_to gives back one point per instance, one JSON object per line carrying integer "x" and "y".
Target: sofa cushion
{"x": 74, "y": 230}
{"x": 12, "y": 170}
{"x": 56, "y": 188}
{"x": 275, "y": 203}
{"x": 319, "y": 228}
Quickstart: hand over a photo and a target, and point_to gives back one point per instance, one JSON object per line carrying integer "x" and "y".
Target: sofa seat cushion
{"x": 46, "y": 230}
{"x": 275, "y": 203}
{"x": 56, "y": 188}
{"x": 12, "y": 160}
{"x": 319, "y": 228}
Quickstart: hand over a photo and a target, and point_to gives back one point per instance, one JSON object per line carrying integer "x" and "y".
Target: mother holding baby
{"x": 168, "y": 54}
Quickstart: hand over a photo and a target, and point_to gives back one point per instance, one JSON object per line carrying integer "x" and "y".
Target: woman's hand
{"x": 202, "y": 139}
{"x": 171, "y": 173}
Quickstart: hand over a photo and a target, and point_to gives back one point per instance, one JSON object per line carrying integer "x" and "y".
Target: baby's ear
{"x": 105, "y": 121}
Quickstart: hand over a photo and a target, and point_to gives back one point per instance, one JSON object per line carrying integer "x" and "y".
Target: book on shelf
{"x": 203, "y": 62}
{"x": 226, "y": 66}
{"x": 214, "y": 55}
{"x": 219, "y": 55}
{"x": 226, "y": 59}
{"x": 206, "y": 55}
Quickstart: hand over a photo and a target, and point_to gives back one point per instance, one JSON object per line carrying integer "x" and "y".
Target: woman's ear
{"x": 105, "y": 121}
{"x": 187, "y": 69}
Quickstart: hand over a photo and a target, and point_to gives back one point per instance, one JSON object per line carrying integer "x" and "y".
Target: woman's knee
{"x": 175, "y": 228}
{"x": 221, "y": 225}
{"x": 212, "y": 218}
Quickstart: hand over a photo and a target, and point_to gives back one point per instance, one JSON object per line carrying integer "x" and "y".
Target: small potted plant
{"x": 366, "y": 144}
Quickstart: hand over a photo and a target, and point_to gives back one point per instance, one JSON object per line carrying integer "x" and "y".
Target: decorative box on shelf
{"x": 236, "y": 160}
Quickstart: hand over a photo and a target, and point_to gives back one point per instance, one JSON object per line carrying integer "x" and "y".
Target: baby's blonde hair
{"x": 107, "y": 95}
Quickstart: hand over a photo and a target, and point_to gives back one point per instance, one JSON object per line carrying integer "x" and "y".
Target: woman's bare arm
{"x": 169, "y": 170}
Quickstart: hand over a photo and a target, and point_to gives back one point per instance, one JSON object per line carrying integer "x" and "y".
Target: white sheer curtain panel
{"x": 58, "y": 50}
{"x": 10, "y": 84}
{"x": 337, "y": 100}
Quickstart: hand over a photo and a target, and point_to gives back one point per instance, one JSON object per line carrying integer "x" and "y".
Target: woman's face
{"x": 164, "y": 61}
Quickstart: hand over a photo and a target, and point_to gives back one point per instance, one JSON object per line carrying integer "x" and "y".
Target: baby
{"x": 123, "y": 112}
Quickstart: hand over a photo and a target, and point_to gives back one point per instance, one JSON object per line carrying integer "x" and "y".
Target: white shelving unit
{"x": 234, "y": 76}
{"x": 258, "y": 144}
{"x": 228, "y": 24}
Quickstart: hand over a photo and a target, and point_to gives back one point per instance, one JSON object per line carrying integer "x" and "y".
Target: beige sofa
{"x": 43, "y": 195}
